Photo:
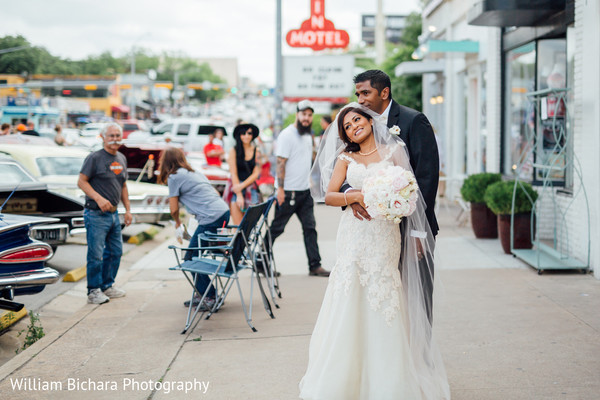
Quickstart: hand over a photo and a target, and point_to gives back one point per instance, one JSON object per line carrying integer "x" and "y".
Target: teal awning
{"x": 446, "y": 46}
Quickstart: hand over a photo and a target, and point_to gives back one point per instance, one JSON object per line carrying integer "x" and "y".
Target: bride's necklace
{"x": 368, "y": 153}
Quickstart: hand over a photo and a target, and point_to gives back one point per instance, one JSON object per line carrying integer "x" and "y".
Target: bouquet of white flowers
{"x": 390, "y": 193}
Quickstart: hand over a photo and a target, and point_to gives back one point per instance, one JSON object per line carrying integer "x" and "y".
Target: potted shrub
{"x": 499, "y": 197}
{"x": 483, "y": 220}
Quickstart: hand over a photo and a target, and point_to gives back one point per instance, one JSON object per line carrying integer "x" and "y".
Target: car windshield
{"x": 12, "y": 174}
{"x": 59, "y": 165}
{"x": 130, "y": 127}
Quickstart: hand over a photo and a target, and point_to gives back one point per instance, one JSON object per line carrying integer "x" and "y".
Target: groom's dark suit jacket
{"x": 416, "y": 132}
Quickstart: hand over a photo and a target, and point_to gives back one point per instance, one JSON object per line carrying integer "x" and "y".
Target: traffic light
{"x": 265, "y": 92}
{"x": 233, "y": 90}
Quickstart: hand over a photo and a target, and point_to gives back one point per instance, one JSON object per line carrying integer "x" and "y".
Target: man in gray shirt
{"x": 103, "y": 178}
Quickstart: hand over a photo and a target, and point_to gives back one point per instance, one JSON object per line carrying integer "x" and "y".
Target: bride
{"x": 372, "y": 339}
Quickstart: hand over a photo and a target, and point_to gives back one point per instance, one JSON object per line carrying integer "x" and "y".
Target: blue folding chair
{"x": 222, "y": 263}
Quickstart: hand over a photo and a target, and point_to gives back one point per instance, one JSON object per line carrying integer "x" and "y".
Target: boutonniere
{"x": 394, "y": 130}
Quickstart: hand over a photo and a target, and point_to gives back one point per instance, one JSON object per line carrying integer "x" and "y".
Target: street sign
{"x": 318, "y": 77}
{"x": 318, "y": 32}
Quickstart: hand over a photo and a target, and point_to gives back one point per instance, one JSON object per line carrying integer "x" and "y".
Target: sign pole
{"x": 278, "y": 120}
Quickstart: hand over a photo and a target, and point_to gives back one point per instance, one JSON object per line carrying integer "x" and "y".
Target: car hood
{"x": 68, "y": 184}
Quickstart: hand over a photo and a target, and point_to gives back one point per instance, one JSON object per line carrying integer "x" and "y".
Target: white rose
{"x": 394, "y": 130}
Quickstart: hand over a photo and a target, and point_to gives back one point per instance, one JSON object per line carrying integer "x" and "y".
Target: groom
{"x": 374, "y": 91}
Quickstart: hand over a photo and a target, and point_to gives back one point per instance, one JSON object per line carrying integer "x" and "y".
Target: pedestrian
{"x": 5, "y": 129}
{"x": 59, "y": 139}
{"x": 244, "y": 166}
{"x": 294, "y": 158}
{"x": 219, "y": 135}
{"x": 21, "y": 128}
{"x": 103, "y": 179}
{"x": 374, "y": 91}
{"x": 30, "y": 129}
{"x": 194, "y": 191}
{"x": 213, "y": 151}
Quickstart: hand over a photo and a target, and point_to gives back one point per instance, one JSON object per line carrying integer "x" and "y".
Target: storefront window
{"x": 519, "y": 115}
{"x": 483, "y": 119}
{"x": 535, "y": 144}
{"x": 551, "y": 146}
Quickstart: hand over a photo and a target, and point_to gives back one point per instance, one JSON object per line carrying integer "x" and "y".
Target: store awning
{"x": 503, "y": 13}
{"x": 446, "y": 46}
{"x": 419, "y": 67}
{"x": 120, "y": 108}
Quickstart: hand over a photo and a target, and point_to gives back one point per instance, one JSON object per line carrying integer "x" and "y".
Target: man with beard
{"x": 294, "y": 159}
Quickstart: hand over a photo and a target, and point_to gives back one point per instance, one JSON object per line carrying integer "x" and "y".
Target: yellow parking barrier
{"x": 9, "y": 318}
{"x": 75, "y": 275}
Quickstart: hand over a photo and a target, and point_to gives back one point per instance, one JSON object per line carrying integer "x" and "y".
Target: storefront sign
{"x": 328, "y": 78}
{"x": 317, "y": 32}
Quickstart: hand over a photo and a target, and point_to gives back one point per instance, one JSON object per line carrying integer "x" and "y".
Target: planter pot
{"x": 483, "y": 221}
{"x": 522, "y": 232}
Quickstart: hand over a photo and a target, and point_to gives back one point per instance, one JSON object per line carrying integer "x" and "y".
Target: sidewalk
{"x": 504, "y": 331}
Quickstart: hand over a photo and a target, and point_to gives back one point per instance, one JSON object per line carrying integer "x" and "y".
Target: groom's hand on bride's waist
{"x": 358, "y": 209}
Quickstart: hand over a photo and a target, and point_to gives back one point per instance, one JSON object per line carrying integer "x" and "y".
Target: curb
{"x": 9, "y": 318}
{"x": 141, "y": 237}
{"x": 75, "y": 275}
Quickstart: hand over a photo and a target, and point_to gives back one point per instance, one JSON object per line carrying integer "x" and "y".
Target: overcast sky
{"x": 200, "y": 28}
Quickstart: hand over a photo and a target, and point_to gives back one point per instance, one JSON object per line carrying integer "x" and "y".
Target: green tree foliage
{"x": 23, "y": 61}
{"x": 406, "y": 90}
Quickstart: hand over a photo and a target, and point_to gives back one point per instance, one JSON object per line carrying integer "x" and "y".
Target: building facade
{"x": 498, "y": 82}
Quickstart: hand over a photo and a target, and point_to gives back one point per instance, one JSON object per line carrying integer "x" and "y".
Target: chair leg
{"x": 248, "y": 316}
{"x": 192, "y": 316}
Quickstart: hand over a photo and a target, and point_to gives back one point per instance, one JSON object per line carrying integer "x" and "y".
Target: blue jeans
{"x": 105, "y": 247}
{"x": 202, "y": 281}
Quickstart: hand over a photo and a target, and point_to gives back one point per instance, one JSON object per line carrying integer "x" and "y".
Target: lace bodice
{"x": 357, "y": 172}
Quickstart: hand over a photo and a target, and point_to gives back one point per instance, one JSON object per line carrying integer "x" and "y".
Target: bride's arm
{"x": 333, "y": 196}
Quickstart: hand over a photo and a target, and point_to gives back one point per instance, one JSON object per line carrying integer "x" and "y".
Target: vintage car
{"x": 21, "y": 193}
{"x": 142, "y": 163}
{"x": 59, "y": 167}
{"x": 22, "y": 259}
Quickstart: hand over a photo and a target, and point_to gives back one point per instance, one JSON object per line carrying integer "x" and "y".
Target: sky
{"x": 244, "y": 29}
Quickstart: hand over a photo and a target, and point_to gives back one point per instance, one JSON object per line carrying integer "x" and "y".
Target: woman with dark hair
{"x": 244, "y": 167}
{"x": 199, "y": 197}
{"x": 373, "y": 338}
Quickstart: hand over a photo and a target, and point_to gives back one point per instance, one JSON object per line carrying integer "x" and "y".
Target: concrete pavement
{"x": 504, "y": 331}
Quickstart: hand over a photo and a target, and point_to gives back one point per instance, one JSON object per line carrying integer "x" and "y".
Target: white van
{"x": 191, "y": 132}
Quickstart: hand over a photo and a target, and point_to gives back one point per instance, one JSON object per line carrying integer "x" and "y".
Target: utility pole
{"x": 379, "y": 34}
{"x": 131, "y": 95}
{"x": 278, "y": 120}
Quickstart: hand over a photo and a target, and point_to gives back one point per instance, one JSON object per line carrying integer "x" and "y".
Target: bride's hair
{"x": 350, "y": 146}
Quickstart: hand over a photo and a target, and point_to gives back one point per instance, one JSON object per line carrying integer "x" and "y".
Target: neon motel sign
{"x": 318, "y": 32}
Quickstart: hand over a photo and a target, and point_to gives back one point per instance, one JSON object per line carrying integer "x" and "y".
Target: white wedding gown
{"x": 359, "y": 347}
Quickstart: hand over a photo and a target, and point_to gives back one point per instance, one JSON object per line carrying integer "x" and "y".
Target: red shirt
{"x": 212, "y": 160}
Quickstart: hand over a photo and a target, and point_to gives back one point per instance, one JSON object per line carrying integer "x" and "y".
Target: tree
{"x": 20, "y": 61}
{"x": 406, "y": 90}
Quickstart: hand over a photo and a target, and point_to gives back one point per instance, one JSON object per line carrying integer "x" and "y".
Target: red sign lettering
{"x": 318, "y": 32}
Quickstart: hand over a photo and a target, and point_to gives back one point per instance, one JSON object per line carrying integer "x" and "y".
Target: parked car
{"x": 59, "y": 167}
{"x": 191, "y": 133}
{"x": 132, "y": 125}
{"x": 142, "y": 159}
{"x": 90, "y": 135}
{"x": 22, "y": 259}
{"x": 218, "y": 177}
{"x": 21, "y": 193}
